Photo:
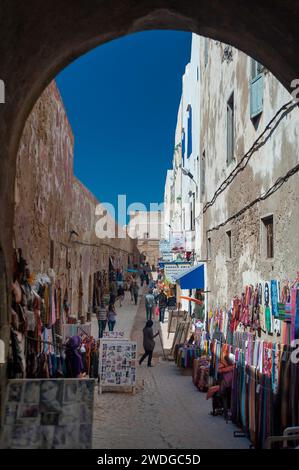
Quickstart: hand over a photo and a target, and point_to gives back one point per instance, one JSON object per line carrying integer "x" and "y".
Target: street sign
{"x": 117, "y": 363}
{"x": 173, "y": 270}
{"x": 177, "y": 242}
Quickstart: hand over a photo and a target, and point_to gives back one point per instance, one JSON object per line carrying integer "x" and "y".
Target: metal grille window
{"x": 268, "y": 236}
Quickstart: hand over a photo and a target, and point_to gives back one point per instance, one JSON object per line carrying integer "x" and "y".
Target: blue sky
{"x": 122, "y": 100}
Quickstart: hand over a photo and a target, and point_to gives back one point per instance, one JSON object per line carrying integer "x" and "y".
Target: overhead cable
{"x": 259, "y": 142}
{"x": 278, "y": 183}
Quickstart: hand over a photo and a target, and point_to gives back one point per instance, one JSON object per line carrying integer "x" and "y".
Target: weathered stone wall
{"x": 53, "y": 206}
{"x": 150, "y": 250}
{"x": 89, "y": 253}
{"x": 279, "y": 153}
{"x": 43, "y": 189}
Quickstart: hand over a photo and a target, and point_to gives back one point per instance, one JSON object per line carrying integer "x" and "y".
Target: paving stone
{"x": 167, "y": 411}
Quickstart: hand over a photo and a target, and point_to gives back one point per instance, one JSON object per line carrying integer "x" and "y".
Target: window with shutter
{"x": 256, "y": 89}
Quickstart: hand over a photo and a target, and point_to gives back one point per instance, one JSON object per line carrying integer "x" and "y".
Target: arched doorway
{"x": 268, "y": 31}
{"x": 4, "y": 323}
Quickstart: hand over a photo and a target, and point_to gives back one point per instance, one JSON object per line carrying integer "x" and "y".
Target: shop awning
{"x": 193, "y": 278}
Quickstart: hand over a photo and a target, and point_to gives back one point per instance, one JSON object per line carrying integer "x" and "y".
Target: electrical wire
{"x": 259, "y": 142}
{"x": 278, "y": 183}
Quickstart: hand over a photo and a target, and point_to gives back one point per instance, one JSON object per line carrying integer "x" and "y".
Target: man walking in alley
{"x": 135, "y": 290}
{"x": 149, "y": 304}
{"x": 148, "y": 343}
{"x": 121, "y": 295}
{"x": 102, "y": 319}
{"x": 162, "y": 303}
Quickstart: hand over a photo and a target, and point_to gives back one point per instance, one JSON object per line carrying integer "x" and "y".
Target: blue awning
{"x": 193, "y": 278}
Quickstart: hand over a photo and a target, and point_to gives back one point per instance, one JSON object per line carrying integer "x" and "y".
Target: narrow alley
{"x": 149, "y": 250}
{"x": 167, "y": 411}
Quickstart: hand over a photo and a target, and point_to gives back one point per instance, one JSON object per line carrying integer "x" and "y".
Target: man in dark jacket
{"x": 148, "y": 343}
{"x": 162, "y": 303}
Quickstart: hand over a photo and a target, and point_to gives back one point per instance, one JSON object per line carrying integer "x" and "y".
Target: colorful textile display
{"x": 264, "y": 404}
{"x": 201, "y": 369}
{"x": 185, "y": 355}
{"x": 39, "y": 315}
{"x": 269, "y": 307}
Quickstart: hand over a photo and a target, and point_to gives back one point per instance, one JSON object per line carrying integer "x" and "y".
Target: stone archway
{"x": 4, "y": 322}
{"x": 37, "y": 42}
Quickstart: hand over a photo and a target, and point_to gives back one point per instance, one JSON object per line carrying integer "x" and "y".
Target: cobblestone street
{"x": 167, "y": 411}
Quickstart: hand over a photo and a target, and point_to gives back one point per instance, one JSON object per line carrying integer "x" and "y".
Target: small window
{"x": 229, "y": 244}
{"x": 189, "y": 143}
{"x": 230, "y": 129}
{"x": 203, "y": 173}
{"x": 209, "y": 248}
{"x": 192, "y": 213}
{"x": 268, "y": 236}
{"x": 206, "y": 51}
{"x": 52, "y": 254}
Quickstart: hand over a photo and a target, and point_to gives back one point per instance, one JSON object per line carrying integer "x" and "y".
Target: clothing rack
{"x": 253, "y": 341}
{"x": 45, "y": 342}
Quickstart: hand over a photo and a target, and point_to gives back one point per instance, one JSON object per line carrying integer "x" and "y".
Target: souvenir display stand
{"x": 48, "y": 414}
{"x": 117, "y": 365}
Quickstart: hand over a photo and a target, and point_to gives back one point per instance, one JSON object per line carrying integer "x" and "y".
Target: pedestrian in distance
{"x": 149, "y": 304}
{"x": 113, "y": 292}
{"x": 121, "y": 294}
{"x": 73, "y": 359}
{"x": 102, "y": 319}
{"x": 148, "y": 343}
{"x": 135, "y": 290}
{"x": 131, "y": 289}
{"x": 111, "y": 316}
{"x": 156, "y": 292}
{"x": 162, "y": 303}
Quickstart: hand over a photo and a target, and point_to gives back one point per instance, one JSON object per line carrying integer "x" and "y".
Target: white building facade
{"x": 244, "y": 225}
